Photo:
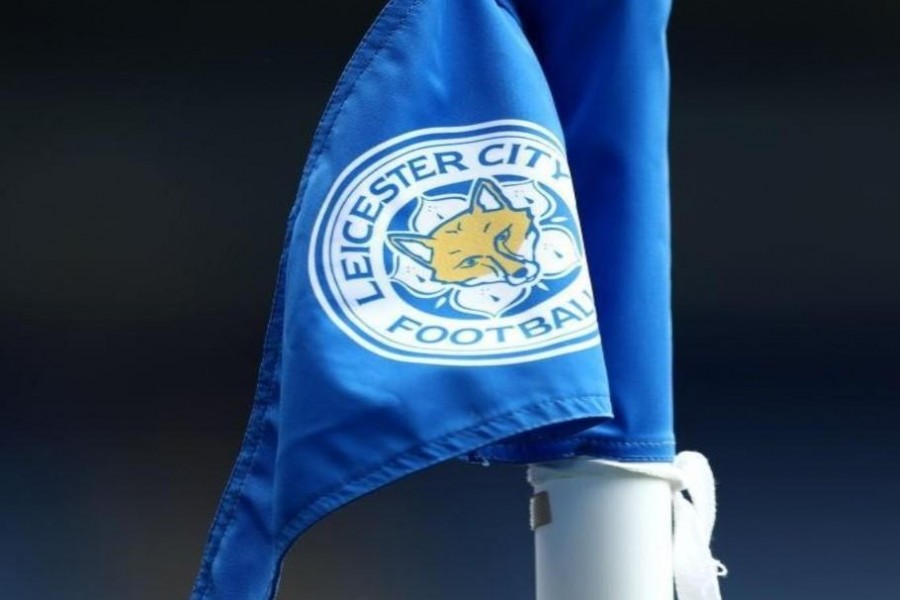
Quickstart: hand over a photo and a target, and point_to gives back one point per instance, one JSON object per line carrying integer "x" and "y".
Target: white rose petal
{"x": 528, "y": 195}
{"x": 416, "y": 277}
{"x": 489, "y": 299}
{"x": 435, "y": 210}
{"x": 556, "y": 252}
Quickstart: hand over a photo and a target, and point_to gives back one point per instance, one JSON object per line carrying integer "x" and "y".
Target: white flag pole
{"x": 607, "y": 530}
{"x": 601, "y": 532}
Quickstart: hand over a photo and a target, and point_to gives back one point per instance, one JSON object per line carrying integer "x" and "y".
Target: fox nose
{"x": 523, "y": 274}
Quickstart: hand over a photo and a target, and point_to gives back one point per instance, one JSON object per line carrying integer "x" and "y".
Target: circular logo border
{"x": 345, "y": 320}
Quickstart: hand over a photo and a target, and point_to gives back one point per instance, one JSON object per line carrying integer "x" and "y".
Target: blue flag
{"x": 487, "y": 180}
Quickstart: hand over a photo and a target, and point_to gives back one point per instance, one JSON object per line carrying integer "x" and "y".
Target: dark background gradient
{"x": 149, "y": 154}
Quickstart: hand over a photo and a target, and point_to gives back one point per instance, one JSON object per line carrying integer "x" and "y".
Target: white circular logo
{"x": 457, "y": 246}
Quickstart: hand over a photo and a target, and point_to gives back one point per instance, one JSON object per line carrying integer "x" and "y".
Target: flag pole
{"x": 601, "y": 532}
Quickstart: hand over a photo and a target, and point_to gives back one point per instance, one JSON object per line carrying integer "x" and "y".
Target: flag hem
{"x": 588, "y": 408}
{"x": 538, "y": 449}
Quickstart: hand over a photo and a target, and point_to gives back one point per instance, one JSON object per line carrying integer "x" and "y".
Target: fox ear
{"x": 487, "y": 196}
{"x": 417, "y": 247}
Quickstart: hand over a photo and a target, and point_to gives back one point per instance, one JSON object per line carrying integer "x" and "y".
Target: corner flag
{"x": 434, "y": 298}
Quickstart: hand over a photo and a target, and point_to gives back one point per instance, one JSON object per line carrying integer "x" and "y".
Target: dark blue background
{"x": 149, "y": 154}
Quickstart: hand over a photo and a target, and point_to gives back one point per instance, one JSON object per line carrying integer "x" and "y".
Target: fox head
{"x": 491, "y": 241}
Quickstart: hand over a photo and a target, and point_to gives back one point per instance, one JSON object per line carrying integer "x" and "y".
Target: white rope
{"x": 696, "y": 571}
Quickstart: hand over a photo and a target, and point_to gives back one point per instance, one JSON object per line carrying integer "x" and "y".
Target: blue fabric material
{"x": 433, "y": 299}
{"x": 606, "y": 64}
{"x": 437, "y": 296}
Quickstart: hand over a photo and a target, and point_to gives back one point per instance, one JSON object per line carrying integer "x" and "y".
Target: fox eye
{"x": 467, "y": 263}
{"x": 503, "y": 235}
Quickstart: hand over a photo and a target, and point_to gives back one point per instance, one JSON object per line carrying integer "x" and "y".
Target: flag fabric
{"x": 606, "y": 64}
{"x": 487, "y": 184}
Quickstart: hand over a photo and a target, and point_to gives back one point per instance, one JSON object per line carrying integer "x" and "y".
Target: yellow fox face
{"x": 491, "y": 241}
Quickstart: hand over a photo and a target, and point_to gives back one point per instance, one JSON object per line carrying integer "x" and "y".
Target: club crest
{"x": 456, "y": 246}
{"x": 484, "y": 252}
